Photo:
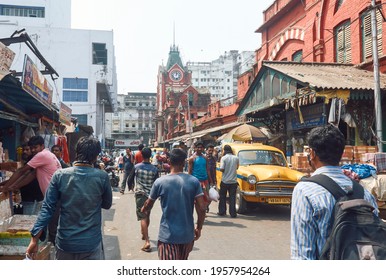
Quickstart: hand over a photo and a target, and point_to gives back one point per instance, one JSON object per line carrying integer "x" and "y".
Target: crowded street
{"x": 260, "y": 234}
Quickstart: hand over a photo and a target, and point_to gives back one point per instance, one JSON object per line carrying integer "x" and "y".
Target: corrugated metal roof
{"x": 328, "y": 75}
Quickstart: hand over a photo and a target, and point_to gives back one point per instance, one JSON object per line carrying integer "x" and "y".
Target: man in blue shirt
{"x": 83, "y": 191}
{"x": 312, "y": 205}
{"x": 180, "y": 193}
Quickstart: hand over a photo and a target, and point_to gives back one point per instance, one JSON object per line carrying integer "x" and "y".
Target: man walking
{"x": 228, "y": 166}
{"x": 180, "y": 193}
{"x": 145, "y": 174}
{"x": 312, "y": 205}
{"x": 128, "y": 165}
{"x": 83, "y": 191}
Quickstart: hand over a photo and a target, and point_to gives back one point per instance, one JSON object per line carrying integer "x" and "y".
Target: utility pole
{"x": 377, "y": 90}
{"x": 103, "y": 102}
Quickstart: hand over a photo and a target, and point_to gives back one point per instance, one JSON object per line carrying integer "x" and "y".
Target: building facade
{"x": 178, "y": 101}
{"x": 84, "y": 59}
{"x": 220, "y": 76}
{"x": 133, "y": 122}
{"x": 311, "y": 67}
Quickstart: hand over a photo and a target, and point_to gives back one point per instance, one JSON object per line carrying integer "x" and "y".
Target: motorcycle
{"x": 113, "y": 177}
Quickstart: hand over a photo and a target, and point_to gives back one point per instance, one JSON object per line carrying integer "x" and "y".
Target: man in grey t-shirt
{"x": 228, "y": 166}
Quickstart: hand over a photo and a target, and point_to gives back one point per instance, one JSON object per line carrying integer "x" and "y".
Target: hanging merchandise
{"x": 27, "y": 134}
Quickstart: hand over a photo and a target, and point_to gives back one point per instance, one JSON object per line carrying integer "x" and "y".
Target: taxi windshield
{"x": 262, "y": 157}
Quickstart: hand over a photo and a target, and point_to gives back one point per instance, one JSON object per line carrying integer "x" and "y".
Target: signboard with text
{"x": 35, "y": 83}
{"x": 127, "y": 142}
{"x": 6, "y": 58}
{"x": 65, "y": 114}
{"x": 313, "y": 115}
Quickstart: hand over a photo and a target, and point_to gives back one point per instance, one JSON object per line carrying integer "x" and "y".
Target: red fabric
{"x": 62, "y": 142}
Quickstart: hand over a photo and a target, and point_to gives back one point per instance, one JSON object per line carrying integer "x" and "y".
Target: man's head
{"x": 177, "y": 157}
{"x": 36, "y": 144}
{"x": 87, "y": 149}
{"x": 199, "y": 147}
{"x": 128, "y": 151}
{"x": 57, "y": 151}
{"x": 227, "y": 150}
{"x": 146, "y": 153}
{"x": 210, "y": 149}
{"x": 326, "y": 145}
{"x": 140, "y": 147}
{"x": 27, "y": 154}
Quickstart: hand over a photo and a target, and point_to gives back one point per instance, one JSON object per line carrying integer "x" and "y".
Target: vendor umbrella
{"x": 245, "y": 132}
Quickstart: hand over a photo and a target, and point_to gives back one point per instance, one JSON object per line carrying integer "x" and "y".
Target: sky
{"x": 143, "y": 32}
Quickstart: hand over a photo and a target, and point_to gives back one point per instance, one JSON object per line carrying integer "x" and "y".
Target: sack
{"x": 213, "y": 194}
{"x": 356, "y": 233}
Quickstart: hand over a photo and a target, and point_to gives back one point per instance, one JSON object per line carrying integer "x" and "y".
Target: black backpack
{"x": 356, "y": 233}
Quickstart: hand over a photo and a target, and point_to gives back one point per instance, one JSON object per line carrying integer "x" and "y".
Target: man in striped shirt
{"x": 145, "y": 174}
{"x": 312, "y": 205}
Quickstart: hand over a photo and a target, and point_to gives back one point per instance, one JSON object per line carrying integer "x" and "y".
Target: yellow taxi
{"x": 263, "y": 175}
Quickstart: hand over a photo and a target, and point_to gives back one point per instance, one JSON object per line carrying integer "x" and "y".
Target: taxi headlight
{"x": 252, "y": 179}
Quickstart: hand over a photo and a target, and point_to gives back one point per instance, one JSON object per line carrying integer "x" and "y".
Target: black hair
{"x": 328, "y": 143}
{"x": 87, "y": 149}
{"x": 198, "y": 143}
{"x": 140, "y": 147}
{"x": 210, "y": 146}
{"x": 36, "y": 140}
{"x": 177, "y": 157}
{"x": 56, "y": 146}
{"x": 227, "y": 150}
{"x": 146, "y": 153}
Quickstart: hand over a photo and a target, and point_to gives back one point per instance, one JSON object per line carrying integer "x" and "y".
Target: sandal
{"x": 146, "y": 248}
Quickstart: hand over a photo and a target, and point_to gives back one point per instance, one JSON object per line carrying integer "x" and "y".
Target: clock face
{"x": 176, "y": 75}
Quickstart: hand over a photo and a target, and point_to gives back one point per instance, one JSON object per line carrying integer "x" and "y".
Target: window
{"x": 75, "y": 90}
{"x": 82, "y": 119}
{"x": 99, "y": 54}
{"x": 367, "y": 44}
{"x": 22, "y": 11}
{"x": 298, "y": 56}
{"x": 343, "y": 43}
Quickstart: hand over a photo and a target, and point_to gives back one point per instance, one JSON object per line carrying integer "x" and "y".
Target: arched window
{"x": 284, "y": 86}
{"x": 342, "y": 35}
{"x": 275, "y": 86}
{"x": 297, "y": 56}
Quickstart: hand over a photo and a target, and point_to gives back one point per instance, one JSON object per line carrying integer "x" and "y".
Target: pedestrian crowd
{"x": 69, "y": 198}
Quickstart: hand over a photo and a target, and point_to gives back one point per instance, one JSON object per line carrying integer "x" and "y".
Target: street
{"x": 260, "y": 234}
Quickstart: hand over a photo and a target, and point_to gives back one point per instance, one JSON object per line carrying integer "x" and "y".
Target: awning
{"x": 202, "y": 133}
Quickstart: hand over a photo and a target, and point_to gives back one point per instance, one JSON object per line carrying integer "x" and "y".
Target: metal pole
{"x": 377, "y": 90}
{"x": 103, "y": 101}
{"x": 189, "y": 117}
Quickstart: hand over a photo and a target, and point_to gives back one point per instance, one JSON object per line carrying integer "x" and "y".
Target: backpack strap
{"x": 330, "y": 185}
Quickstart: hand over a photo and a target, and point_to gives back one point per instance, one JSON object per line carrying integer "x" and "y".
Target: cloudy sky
{"x": 143, "y": 32}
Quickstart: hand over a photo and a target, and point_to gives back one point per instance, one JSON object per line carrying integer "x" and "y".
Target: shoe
{"x": 207, "y": 209}
{"x": 233, "y": 216}
{"x": 122, "y": 192}
{"x": 220, "y": 214}
{"x": 146, "y": 248}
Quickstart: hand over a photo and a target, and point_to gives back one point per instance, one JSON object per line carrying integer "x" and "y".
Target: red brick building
{"x": 320, "y": 45}
{"x": 178, "y": 102}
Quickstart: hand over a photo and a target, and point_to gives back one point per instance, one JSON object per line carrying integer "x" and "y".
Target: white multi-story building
{"x": 133, "y": 123}
{"x": 220, "y": 75}
{"x": 84, "y": 59}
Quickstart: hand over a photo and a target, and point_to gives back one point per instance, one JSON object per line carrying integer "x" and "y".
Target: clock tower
{"x": 178, "y": 102}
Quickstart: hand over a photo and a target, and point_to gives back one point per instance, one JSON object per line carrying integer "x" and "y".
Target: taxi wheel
{"x": 241, "y": 204}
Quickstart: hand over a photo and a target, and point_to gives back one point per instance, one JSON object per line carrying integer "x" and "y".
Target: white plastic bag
{"x": 213, "y": 194}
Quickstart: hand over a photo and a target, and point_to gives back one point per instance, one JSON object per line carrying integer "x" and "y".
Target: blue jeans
{"x": 97, "y": 254}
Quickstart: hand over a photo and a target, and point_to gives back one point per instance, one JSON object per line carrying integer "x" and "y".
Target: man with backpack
{"x": 313, "y": 205}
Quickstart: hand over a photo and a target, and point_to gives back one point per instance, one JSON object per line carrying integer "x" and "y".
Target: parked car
{"x": 263, "y": 175}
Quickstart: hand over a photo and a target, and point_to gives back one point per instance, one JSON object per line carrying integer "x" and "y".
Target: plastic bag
{"x": 213, "y": 194}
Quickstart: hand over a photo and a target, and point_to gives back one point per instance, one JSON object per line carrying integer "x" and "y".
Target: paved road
{"x": 261, "y": 234}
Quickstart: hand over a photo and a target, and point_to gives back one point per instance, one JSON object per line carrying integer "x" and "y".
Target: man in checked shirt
{"x": 145, "y": 174}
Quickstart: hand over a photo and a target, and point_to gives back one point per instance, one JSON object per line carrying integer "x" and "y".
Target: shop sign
{"x": 127, "y": 142}
{"x": 313, "y": 115}
{"x": 35, "y": 83}
{"x": 65, "y": 114}
{"x": 6, "y": 58}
